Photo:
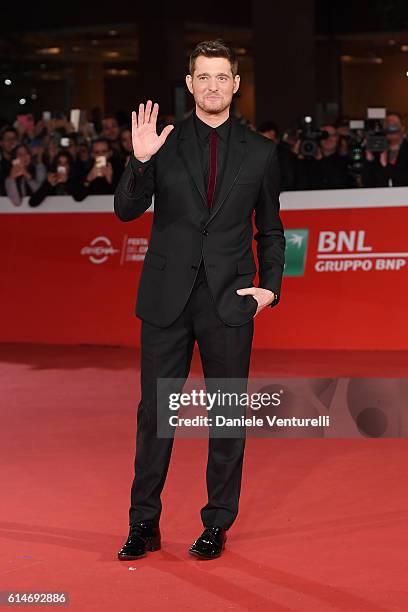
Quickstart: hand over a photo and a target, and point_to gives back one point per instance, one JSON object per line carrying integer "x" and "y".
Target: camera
{"x": 368, "y": 135}
{"x": 310, "y": 138}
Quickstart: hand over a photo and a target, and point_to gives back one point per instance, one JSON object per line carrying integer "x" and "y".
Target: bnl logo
{"x": 295, "y": 253}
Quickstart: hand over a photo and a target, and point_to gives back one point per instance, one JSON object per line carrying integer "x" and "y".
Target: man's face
{"x": 23, "y": 156}
{"x": 393, "y": 121}
{"x": 212, "y": 84}
{"x": 63, "y": 161}
{"x": 110, "y": 128}
{"x": 83, "y": 152}
{"x": 100, "y": 149}
{"x": 9, "y": 141}
{"x": 126, "y": 140}
{"x": 329, "y": 144}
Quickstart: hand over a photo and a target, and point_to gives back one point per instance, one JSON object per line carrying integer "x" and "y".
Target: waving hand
{"x": 145, "y": 140}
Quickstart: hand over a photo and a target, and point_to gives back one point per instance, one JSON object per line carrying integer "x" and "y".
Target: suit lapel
{"x": 188, "y": 150}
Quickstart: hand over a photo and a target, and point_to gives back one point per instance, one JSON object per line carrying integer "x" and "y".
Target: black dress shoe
{"x": 210, "y": 544}
{"x": 143, "y": 536}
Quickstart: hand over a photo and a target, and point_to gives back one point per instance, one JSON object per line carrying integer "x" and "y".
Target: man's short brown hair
{"x": 214, "y": 48}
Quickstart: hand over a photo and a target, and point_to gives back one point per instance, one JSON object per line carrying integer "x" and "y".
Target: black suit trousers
{"x": 166, "y": 353}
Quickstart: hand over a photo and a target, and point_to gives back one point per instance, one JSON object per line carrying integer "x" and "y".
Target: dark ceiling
{"x": 332, "y": 16}
{"x": 75, "y": 14}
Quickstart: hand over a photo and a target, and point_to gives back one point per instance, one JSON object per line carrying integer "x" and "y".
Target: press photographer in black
{"x": 286, "y": 158}
{"x": 319, "y": 164}
{"x": 390, "y": 167}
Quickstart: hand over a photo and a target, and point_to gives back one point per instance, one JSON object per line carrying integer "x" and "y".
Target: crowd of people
{"x": 51, "y": 157}
{"x": 341, "y": 157}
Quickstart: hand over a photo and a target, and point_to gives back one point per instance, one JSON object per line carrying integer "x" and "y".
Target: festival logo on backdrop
{"x": 99, "y": 250}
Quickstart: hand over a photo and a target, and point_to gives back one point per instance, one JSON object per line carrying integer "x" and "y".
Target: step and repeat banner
{"x": 70, "y": 270}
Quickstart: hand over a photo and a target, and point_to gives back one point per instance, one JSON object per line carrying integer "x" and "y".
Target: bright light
{"x": 49, "y": 51}
{"x": 308, "y": 119}
{"x": 22, "y": 101}
{"x": 406, "y": 74}
{"x": 7, "y": 81}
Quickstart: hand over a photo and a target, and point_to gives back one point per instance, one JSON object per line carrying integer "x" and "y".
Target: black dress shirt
{"x": 203, "y": 139}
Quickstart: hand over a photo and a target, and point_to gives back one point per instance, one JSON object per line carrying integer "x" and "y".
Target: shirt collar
{"x": 203, "y": 129}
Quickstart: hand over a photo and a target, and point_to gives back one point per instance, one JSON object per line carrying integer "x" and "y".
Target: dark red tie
{"x": 212, "y": 173}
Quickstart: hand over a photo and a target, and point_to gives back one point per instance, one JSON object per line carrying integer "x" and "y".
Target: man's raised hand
{"x": 145, "y": 140}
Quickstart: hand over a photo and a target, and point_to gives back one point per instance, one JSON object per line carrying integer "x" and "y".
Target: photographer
{"x": 8, "y": 141}
{"x": 126, "y": 146}
{"x": 390, "y": 167}
{"x": 286, "y": 158}
{"x": 25, "y": 176}
{"x": 51, "y": 151}
{"x": 61, "y": 180}
{"x": 343, "y": 136}
{"x": 104, "y": 173}
{"x": 325, "y": 168}
{"x": 111, "y": 131}
{"x": 83, "y": 161}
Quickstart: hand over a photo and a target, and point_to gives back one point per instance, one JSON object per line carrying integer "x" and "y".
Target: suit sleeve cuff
{"x": 138, "y": 167}
{"x": 275, "y": 300}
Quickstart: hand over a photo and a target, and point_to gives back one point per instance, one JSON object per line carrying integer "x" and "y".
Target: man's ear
{"x": 189, "y": 83}
{"x": 237, "y": 80}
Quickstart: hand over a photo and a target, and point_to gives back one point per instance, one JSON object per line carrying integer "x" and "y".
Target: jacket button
{"x": 205, "y": 232}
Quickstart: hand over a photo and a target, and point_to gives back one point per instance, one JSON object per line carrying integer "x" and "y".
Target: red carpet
{"x": 323, "y": 524}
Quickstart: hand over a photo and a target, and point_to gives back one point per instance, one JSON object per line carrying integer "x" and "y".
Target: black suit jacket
{"x": 184, "y": 231}
{"x": 376, "y": 175}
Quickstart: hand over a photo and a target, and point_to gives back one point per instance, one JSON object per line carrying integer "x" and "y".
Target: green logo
{"x": 295, "y": 254}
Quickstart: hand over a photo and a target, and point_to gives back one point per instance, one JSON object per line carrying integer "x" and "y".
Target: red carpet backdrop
{"x": 70, "y": 272}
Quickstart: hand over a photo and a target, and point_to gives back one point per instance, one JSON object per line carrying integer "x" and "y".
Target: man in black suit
{"x": 209, "y": 174}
